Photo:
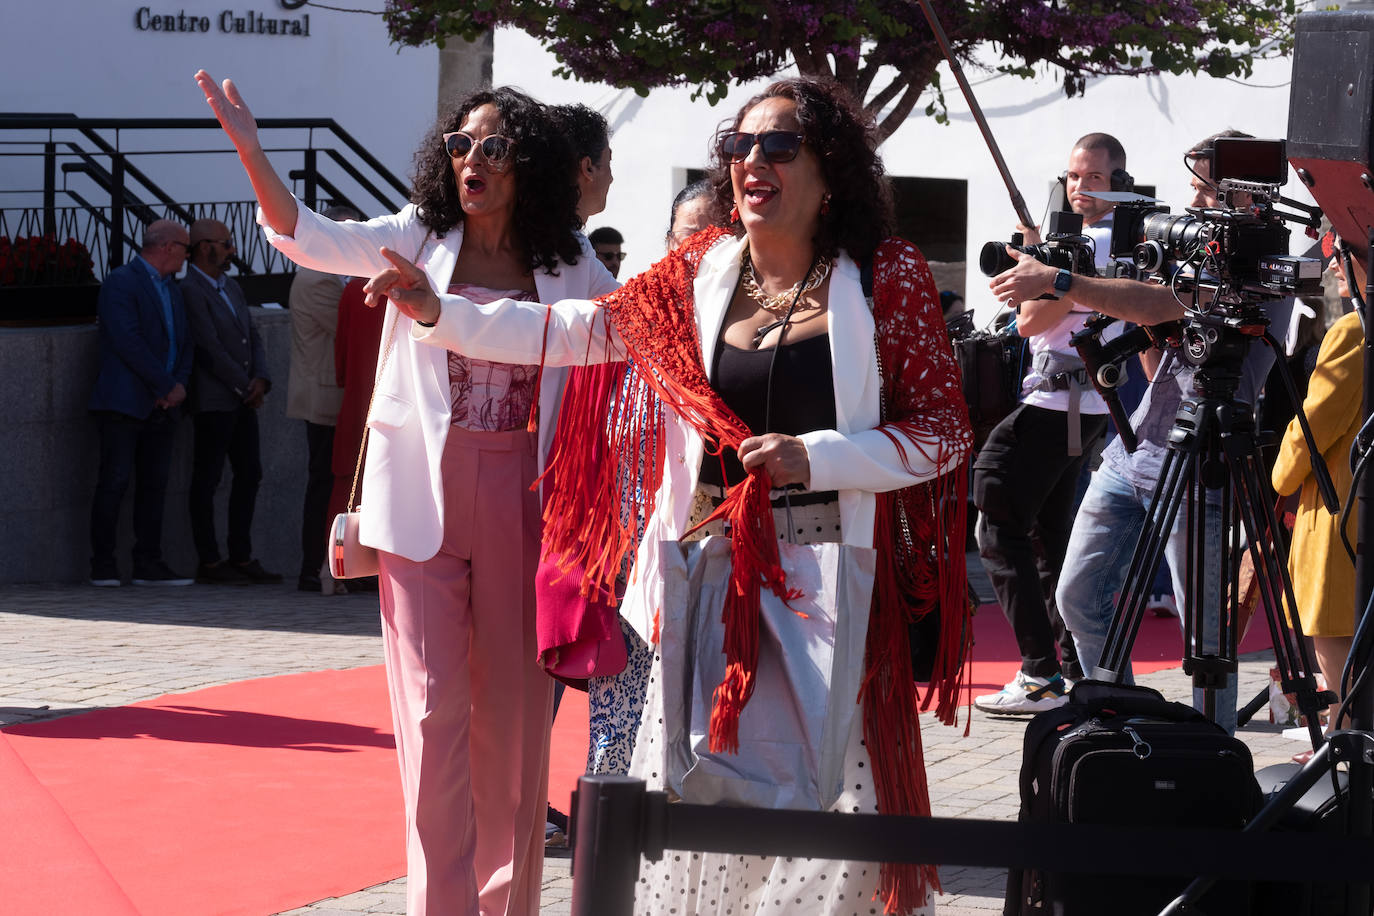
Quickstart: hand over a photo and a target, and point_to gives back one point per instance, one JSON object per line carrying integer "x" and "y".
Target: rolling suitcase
{"x": 1123, "y": 755}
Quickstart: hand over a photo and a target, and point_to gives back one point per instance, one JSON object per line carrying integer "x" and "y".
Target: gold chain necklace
{"x": 780, "y": 303}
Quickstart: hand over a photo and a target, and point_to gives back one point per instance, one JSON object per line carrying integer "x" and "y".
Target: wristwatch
{"x": 1062, "y": 281}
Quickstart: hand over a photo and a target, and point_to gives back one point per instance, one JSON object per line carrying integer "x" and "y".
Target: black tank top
{"x": 803, "y": 394}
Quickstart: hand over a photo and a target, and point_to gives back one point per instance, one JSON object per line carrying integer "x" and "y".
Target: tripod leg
{"x": 1175, "y": 473}
{"x": 1205, "y": 658}
{"x": 1266, "y": 544}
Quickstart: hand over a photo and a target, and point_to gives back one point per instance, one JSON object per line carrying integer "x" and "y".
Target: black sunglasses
{"x": 496, "y": 149}
{"x": 777, "y": 145}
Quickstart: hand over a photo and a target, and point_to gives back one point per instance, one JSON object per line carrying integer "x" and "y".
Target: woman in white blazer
{"x": 455, "y": 444}
{"x": 866, "y": 417}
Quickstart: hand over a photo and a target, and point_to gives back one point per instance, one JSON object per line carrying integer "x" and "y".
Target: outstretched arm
{"x": 1131, "y": 300}
{"x": 277, "y": 202}
{"x": 571, "y": 332}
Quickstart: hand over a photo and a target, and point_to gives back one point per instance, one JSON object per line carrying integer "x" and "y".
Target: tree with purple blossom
{"x": 883, "y": 50}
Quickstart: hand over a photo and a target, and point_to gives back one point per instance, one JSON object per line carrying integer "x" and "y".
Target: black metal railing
{"x": 97, "y": 188}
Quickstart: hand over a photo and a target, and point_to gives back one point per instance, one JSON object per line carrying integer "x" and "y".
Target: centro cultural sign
{"x": 247, "y": 22}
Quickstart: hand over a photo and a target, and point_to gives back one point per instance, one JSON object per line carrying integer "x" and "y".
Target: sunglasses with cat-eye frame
{"x": 495, "y": 148}
{"x": 777, "y": 145}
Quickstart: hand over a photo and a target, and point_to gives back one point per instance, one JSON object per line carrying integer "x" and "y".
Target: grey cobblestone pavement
{"x": 66, "y": 649}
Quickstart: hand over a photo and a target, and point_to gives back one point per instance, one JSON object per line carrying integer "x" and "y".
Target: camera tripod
{"x": 1212, "y": 447}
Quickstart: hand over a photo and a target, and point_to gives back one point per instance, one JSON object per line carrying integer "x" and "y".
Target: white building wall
{"x": 89, "y": 58}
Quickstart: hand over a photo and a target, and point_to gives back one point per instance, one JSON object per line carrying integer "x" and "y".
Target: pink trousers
{"x": 470, "y": 707}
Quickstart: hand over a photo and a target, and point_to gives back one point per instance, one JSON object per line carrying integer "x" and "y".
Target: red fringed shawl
{"x": 918, "y": 530}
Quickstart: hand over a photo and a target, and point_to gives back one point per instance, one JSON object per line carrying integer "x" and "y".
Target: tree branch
{"x": 847, "y": 68}
{"x": 809, "y": 62}
{"x": 876, "y": 104}
{"x": 899, "y": 114}
{"x": 864, "y": 79}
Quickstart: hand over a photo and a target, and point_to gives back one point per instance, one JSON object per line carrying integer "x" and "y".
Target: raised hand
{"x": 231, "y": 110}
{"x": 278, "y": 204}
{"x": 405, "y": 285}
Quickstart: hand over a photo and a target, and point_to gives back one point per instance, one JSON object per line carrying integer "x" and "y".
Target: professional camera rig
{"x": 1222, "y": 263}
{"x": 1238, "y": 251}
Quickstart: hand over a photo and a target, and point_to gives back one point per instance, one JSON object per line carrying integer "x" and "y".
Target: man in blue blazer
{"x": 145, "y": 365}
{"x": 227, "y": 388}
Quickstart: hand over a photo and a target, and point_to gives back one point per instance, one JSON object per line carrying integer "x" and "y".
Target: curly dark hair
{"x": 585, "y": 129}
{"x": 545, "y": 219}
{"x": 834, "y": 125}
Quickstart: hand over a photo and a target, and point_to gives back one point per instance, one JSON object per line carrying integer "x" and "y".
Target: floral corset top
{"x": 486, "y": 396}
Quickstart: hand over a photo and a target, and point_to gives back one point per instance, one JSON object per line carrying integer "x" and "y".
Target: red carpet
{"x": 265, "y": 795}
{"x": 568, "y": 749}
{"x": 46, "y": 866}
{"x": 251, "y": 798}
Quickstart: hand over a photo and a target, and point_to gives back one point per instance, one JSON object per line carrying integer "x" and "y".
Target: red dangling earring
{"x": 734, "y": 214}
{"x": 825, "y": 205}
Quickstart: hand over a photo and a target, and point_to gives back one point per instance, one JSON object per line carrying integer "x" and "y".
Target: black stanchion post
{"x": 607, "y": 842}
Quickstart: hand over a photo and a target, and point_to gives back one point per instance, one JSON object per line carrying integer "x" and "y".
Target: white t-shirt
{"x": 1056, "y": 339}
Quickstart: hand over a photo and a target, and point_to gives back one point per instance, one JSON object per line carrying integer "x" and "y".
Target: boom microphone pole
{"x": 1017, "y": 201}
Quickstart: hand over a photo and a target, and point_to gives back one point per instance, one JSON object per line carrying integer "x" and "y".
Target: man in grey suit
{"x": 228, "y": 384}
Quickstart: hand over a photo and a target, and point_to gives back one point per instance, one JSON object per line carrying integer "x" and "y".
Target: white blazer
{"x": 854, "y": 458}
{"x": 411, "y": 410}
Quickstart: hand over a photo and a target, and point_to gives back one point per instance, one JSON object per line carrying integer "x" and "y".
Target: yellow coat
{"x": 1323, "y": 574}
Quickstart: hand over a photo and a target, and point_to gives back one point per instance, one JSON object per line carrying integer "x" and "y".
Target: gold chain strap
{"x": 381, "y": 368}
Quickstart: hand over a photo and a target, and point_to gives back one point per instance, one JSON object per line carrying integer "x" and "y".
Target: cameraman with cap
{"x": 1113, "y": 511}
{"x": 1025, "y": 478}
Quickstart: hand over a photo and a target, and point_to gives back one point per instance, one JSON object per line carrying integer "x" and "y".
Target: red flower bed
{"x": 39, "y": 260}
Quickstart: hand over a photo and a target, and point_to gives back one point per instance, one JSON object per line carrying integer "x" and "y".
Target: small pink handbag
{"x": 348, "y": 557}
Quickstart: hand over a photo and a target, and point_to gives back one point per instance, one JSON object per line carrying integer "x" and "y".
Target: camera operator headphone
{"x": 1121, "y": 180}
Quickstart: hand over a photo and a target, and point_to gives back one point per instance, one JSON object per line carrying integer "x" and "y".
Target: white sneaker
{"x": 1025, "y": 694}
{"x": 1162, "y": 606}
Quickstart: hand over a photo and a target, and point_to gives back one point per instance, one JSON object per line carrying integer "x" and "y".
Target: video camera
{"x": 1238, "y": 251}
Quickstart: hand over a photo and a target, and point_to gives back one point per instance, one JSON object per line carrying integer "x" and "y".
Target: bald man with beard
{"x": 229, "y": 385}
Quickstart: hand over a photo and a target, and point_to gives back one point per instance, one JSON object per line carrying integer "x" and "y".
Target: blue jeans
{"x": 1104, "y": 537}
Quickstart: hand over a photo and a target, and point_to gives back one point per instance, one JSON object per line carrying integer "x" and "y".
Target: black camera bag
{"x": 1123, "y": 755}
{"x": 991, "y": 369}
